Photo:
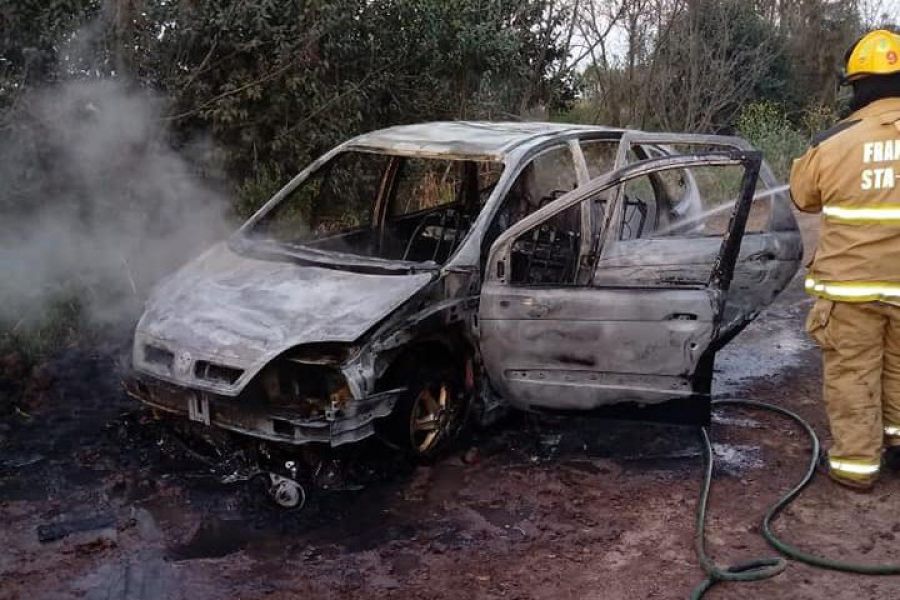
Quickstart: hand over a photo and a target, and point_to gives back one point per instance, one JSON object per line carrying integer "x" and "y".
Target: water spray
{"x": 726, "y": 206}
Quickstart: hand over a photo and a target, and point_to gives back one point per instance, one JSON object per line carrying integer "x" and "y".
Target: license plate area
{"x": 198, "y": 408}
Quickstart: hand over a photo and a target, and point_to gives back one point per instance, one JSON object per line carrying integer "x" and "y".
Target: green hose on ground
{"x": 766, "y": 567}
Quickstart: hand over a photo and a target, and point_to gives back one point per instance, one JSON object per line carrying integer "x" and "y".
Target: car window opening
{"x": 668, "y": 232}
{"x": 671, "y": 227}
{"x": 389, "y": 207}
{"x": 550, "y": 254}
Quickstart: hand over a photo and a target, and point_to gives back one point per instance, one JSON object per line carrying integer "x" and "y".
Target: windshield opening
{"x": 389, "y": 207}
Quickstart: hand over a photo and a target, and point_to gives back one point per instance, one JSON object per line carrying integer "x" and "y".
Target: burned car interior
{"x": 419, "y": 278}
{"x": 390, "y": 207}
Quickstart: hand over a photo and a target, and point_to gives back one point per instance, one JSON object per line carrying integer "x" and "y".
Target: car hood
{"x": 242, "y": 312}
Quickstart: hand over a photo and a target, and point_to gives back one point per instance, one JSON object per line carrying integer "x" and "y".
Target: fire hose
{"x": 764, "y": 568}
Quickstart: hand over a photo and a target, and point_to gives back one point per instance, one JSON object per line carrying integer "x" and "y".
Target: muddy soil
{"x": 96, "y": 503}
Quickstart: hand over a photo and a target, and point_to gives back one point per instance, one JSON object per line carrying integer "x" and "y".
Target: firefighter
{"x": 851, "y": 174}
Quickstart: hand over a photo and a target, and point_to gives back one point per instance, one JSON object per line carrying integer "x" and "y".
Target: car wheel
{"x": 430, "y": 415}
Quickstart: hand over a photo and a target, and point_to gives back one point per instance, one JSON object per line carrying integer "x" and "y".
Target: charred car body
{"x": 418, "y": 275}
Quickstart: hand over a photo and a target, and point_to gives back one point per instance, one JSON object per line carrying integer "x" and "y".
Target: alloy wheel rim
{"x": 430, "y": 417}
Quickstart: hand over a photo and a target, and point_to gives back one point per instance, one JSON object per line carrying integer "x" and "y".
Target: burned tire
{"x": 430, "y": 414}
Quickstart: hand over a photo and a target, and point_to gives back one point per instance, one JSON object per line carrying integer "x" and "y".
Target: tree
{"x": 716, "y": 56}
{"x": 276, "y": 83}
{"x": 31, "y": 35}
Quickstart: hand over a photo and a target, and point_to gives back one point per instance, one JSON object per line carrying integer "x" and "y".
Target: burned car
{"x": 420, "y": 276}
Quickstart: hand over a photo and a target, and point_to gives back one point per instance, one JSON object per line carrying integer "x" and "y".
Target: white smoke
{"x": 95, "y": 201}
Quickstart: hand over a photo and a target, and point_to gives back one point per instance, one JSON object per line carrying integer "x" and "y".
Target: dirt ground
{"x": 96, "y": 505}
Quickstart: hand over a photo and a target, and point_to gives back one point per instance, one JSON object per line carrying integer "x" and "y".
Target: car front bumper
{"x": 255, "y": 418}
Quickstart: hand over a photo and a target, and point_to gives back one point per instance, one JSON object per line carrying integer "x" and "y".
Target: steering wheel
{"x": 441, "y": 216}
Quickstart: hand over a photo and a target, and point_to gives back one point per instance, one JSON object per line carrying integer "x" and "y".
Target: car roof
{"x": 471, "y": 139}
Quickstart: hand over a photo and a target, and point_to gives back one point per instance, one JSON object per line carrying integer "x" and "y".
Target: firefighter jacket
{"x": 850, "y": 174}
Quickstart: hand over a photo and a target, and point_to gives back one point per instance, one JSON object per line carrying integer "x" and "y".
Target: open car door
{"x": 772, "y": 250}
{"x": 556, "y": 333}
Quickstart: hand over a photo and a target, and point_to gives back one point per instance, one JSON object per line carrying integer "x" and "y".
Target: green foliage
{"x": 818, "y": 117}
{"x": 60, "y": 326}
{"x": 767, "y": 125}
{"x": 24, "y": 345}
{"x": 278, "y": 83}
{"x": 768, "y": 128}
{"x": 256, "y": 190}
{"x": 32, "y": 32}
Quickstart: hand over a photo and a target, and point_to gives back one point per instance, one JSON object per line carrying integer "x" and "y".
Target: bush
{"x": 60, "y": 325}
{"x": 818, "y": 118}
{"x": 256, "y": 190}
{"x": 25, "y": 344}
{"x": 766, "y": 126}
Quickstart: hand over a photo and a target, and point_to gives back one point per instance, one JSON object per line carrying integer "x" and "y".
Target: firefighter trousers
{"x": 860, "y": 345}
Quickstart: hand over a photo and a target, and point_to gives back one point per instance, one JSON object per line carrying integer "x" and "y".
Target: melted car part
{"x": 286, "y": 493}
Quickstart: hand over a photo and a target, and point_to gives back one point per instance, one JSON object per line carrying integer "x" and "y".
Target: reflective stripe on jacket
{"x": 853, "y": 291}
{"x": 885, "y": 215}
{"x": 851, "y": 174}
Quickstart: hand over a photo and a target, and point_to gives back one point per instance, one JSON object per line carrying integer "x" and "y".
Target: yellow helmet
{"x": 876, "y": 53}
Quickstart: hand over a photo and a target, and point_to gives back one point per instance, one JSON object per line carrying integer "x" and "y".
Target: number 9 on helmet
{"x": 876, "y": 53}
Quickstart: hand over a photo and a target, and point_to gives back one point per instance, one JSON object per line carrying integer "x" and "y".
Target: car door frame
{"x": 782, "y": 218}
{"x": 500, "y": 195}
{"x": 782, "y": 224}
{"x": 655, "y": 389}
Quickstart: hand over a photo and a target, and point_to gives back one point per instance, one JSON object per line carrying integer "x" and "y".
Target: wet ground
{"x": 97, "y": 503}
